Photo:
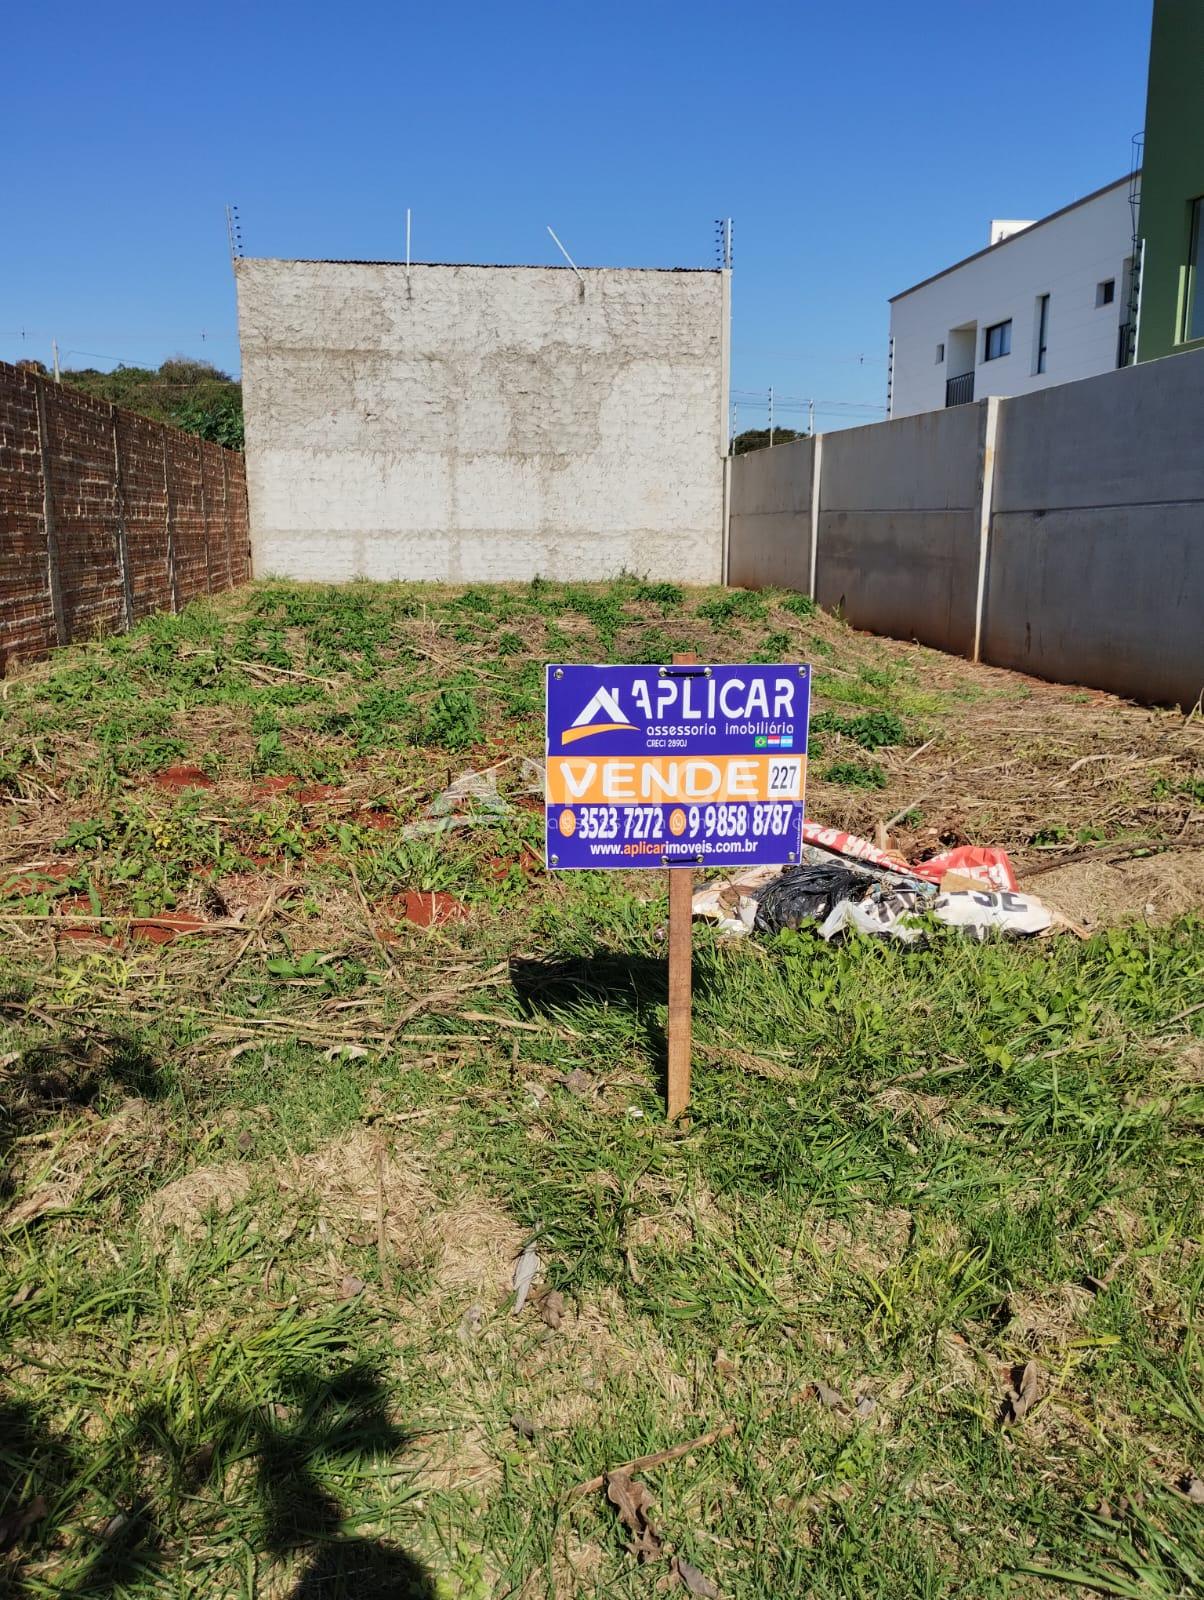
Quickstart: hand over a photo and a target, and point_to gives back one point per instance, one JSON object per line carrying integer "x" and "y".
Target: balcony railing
{"x": 959, "y": 391}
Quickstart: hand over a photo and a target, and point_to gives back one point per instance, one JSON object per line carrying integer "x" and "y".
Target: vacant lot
{"x": 924, "y": 1266}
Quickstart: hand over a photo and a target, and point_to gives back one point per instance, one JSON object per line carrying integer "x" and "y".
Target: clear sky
{"x": 859, "y": 147}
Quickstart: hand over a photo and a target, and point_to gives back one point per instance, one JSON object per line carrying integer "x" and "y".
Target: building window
{"x": 997, "y": 341}
{"x": 1105, "y": 292}
{"x": 1042, "y": 331}
{"x": 1193, "y": 305}
{"x": 940, "y": 354}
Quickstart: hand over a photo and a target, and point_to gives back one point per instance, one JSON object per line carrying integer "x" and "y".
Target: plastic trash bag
{"x": 731, "y": 902}
{"x": 990, "y": 867}
{"x": 982, "y": 911}
{"x": 899, "y": 915}
{"x": 803, "y": 892}
{"x": 734, "y": 903}
{"x": 837, "y": 842}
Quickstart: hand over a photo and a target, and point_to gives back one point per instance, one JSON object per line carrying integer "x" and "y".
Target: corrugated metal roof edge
{"x": 484, "y": 266}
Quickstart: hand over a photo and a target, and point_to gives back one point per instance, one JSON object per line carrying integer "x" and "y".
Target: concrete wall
{"x": 897, "y": 550}
{"x": 105, "y": 516}
{"x": 1096, "y": 564}
{"x": 769, "y": 537}
{"x": 1059, "y": 533}
{"x": 481, "y": 423}
{"x": 1065, "y": 256}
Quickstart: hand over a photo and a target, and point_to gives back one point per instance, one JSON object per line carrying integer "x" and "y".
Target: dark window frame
{"x": 1105, "y": 292}
{"x": 1193, "y": 276}
{"x": 1042, "y": 331}
{"x": 1004, "y": 330}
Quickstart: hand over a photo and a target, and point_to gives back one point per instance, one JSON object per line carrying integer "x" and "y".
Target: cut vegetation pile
{"x": 300, "y": 1048}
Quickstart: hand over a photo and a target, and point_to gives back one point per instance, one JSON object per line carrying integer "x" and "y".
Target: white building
{"x": 1044, "y": 303}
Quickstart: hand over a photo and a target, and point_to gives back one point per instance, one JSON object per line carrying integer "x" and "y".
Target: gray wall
{"x": 898, "y": 544}
{"x": 1087, "y": 515}
{"x": 1096, "y": 562}
{"x": 769, "y": 538}
{"x": 477, "y": 423}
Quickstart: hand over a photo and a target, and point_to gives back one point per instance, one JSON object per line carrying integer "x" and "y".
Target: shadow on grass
{"x": 635, "y": 985}
{"x": 318, "y": 1425}
{"x": 58, "y": 1077}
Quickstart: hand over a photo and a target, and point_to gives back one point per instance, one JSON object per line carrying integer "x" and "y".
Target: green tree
{"x": 758, "y": 439}
{"x": 188, "y": 394}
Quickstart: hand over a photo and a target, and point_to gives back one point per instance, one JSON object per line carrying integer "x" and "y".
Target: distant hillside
{"x": 193, "y": 395}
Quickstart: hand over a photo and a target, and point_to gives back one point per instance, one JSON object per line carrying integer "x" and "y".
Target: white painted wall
{"x": 1066, "y": 257}
{"x": 485, "y": 423}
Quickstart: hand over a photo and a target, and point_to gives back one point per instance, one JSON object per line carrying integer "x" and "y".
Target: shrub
{"x": 734, "y": 603}
{"x": 873, "y": 730}
{"x": 454, "y": 721}
{"x": 661, "y": 594}
{"x": 857, "y": 774}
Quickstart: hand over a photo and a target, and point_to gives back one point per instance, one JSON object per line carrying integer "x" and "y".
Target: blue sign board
{"x": 675, "y": 766}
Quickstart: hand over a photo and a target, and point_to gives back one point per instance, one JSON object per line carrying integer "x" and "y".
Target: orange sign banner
{"x": 655, "y": 780}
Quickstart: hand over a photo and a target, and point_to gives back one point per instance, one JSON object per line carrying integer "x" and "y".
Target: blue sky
{"x": 858, "y": 148}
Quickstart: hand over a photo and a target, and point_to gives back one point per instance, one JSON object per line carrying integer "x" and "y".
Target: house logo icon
{"x": 603, "y": 714}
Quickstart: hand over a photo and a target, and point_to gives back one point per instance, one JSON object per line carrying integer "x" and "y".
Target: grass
{"x": 264, "y": 1188}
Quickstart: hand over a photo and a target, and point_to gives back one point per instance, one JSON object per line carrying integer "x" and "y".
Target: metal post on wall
{"x": 54, "y": 580}
{"x": 173, "y": 581}
{"x": 771, "y": 416}
{"x": 123, "y": 546}
{"x": 569, "y": 259}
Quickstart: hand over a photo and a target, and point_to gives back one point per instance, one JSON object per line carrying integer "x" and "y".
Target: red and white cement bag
{"x": 984, "y": 864}
{"x": 853, "y": 846}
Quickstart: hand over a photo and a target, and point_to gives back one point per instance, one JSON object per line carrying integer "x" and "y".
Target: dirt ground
{"x": 301, "y": 1048}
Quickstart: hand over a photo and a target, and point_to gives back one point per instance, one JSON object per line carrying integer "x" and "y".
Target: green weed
{"x": 454, "y": 721}
{"x": 743, "y": 603}
{"x": 856, "y": 774}
{"x": 874, "y": 730}
{"x": 669, "y": 596}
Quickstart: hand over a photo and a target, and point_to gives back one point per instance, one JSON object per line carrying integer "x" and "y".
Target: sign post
{"x": 676, "y": 767}
{"x": 681, "y": 974}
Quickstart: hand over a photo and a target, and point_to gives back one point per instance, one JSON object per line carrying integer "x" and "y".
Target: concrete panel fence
{"x": 1058, "y": 533}
{"x": 106, "y": 516}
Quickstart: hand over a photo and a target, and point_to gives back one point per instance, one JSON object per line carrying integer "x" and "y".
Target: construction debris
{"x": 846, "y": 884}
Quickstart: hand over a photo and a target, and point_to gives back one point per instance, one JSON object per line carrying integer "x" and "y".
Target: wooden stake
{"x": 681, "y": 895}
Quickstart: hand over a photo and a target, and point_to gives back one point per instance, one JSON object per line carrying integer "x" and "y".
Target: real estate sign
{"x": 675, "y": 766}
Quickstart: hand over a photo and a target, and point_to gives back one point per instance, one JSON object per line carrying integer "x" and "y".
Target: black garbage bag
{"x": 803, "y": 892}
